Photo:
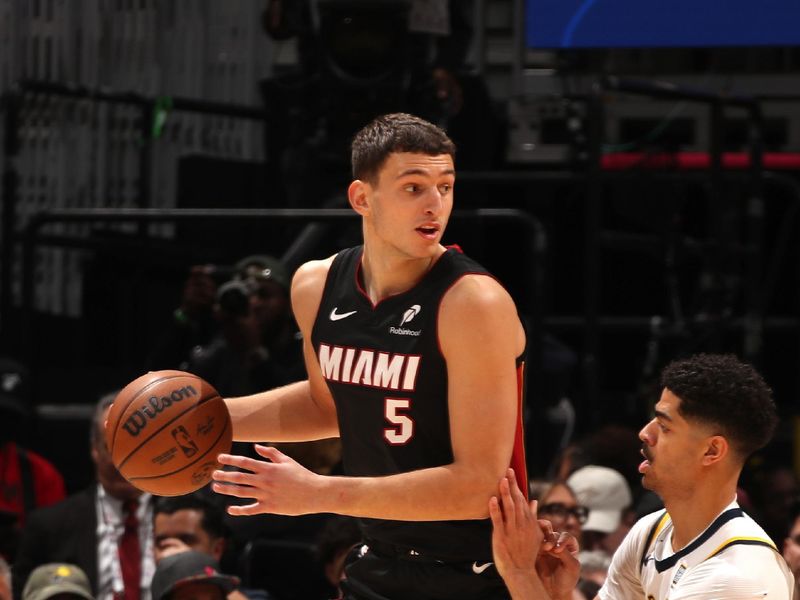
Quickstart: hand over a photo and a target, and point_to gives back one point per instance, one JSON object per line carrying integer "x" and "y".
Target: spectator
{"x": 607, "y": 495}
{"x": 5, "y": 580}
{"x": 106, "y": 529}
{"x": 775, "y": 496}
{"x": 192, "y": 323}
{"x": 57, "y": 580}
{"x": 258, "y": 345}
{"x": 194, "y": 522}
{"x": 27, "y": 480}
{"x": 594, "y": 570}
{"x": 791, "y": 553}
{"x": 189, "y": 575}
{"x": 190, "y": 522}
{"x": 559, "y": 505}
{"x": 340, "y": 535}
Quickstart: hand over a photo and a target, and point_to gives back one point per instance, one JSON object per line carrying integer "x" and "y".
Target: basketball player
{"x": 413, "y": 355}
{"x": 714, "y": 411}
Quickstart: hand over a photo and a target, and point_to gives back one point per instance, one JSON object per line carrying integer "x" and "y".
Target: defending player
{"x": 413, "y": 355}
{"x": 714, "y": 412}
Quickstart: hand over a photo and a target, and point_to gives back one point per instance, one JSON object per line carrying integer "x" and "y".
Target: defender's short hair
{"x": 396, "y": 132}
{"x": 720, "y": 390}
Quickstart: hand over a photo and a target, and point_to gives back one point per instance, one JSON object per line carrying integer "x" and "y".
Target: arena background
{"x": 654, "y": 185}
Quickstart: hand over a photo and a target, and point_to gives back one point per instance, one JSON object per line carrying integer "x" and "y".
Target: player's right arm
{"x": 299, "y": 411}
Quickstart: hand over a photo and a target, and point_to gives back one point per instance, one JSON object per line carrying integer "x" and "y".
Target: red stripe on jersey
{"x": 518, "y": 462}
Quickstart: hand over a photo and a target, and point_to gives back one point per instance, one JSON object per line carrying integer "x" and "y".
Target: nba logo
{"x": 181, "y": 437}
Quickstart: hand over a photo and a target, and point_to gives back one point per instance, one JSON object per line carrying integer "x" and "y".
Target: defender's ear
{"x": 717, "y": 448}
{"x": 358, "y": 196}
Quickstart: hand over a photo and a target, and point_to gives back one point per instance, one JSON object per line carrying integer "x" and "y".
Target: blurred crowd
{"x": 111, "y": 540}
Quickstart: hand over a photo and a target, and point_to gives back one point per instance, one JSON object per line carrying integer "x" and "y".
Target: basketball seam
{"x": 228, "y": 424}
{"x": 133, "y": 399}
{"x": 164, "y": 426}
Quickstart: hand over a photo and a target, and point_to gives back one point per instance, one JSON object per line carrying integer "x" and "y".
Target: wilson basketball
{"x": 165, "y": 430}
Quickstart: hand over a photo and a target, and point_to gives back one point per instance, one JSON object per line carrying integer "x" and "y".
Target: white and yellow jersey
{"x": 733, "y": 559}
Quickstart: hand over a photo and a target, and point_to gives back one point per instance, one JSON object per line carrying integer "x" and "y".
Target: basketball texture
{"x": 165, "y": 430}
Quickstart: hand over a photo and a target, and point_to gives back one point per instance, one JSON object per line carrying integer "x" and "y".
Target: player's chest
{"x": 664, "y": 585}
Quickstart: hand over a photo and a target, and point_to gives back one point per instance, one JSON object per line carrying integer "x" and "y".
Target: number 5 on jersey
{"x": 403, "y": 425}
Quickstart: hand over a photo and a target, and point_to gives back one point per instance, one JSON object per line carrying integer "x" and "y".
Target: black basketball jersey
{"x": 388, "y": 378}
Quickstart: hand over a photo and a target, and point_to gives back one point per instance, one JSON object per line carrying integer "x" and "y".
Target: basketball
{"x": 165, "y": 430}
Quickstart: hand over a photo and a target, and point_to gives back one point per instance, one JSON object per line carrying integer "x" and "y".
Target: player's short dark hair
{"x": 396, "y": 132}
{"x": 212, "y": 522}
{"x": 720, "y": 390}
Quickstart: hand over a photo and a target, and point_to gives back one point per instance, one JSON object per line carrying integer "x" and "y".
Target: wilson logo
{"x": 154, "y": 406}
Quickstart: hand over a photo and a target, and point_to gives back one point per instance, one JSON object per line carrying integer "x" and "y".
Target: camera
{"x": 233, "y": 297}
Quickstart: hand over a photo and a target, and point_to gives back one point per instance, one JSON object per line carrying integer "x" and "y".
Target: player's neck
{"x": 388, "y": 274}
{"x": 693, "y": 514}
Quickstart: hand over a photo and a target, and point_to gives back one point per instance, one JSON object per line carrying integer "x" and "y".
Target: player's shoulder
{"x": 741, "y": 571}
{"x": 647, "y": 522}
{"x": 312, "y": 273}
{"x": 644, "y": 532}
{"x": 477, "y": 292}
{"x": 308, "y": 283}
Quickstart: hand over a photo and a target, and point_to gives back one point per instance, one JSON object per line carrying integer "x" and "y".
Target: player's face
{"x": 673, "y": 449}
{"x": 185, "y": 526}
{"x": 410, "y": 203}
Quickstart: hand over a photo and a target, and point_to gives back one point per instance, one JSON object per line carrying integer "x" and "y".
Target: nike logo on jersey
{"x": 480, "y": 569}
{"x": 339, "y": 316}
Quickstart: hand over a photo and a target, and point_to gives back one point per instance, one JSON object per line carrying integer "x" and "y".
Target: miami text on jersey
{"x": 390, "y": 371}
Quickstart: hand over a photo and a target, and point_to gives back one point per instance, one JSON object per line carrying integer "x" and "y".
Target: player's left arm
{"x": 480, "y": 336}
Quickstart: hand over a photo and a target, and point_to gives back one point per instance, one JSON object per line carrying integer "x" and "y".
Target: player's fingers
{"x": 521, "y": 510}
{"x": 237, "y": 477}
{"x": 508, "y": 504}
{"x": 237, "y": 491}
{"x": 566, "y": 543}
{"x": 245, "y": 510}
{"x": 549, "y": 536}
{"x": 519, "y": 498}
{"x": 495, "y": 513}
{"x": 241, "y": 462}
{"x": 270, "y": 453}
{"x": 546, "y": 527}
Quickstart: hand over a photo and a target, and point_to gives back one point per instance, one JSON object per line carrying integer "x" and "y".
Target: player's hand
{"x": 527, "y": 552}
{"x": 278, "y": 485}
{"x": 516, "y": 534}
{"x": 557, "y": 563}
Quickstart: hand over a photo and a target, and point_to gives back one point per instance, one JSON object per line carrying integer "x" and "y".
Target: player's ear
{"x": 358, "y": 195}
{"x": 717, "y": 448}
